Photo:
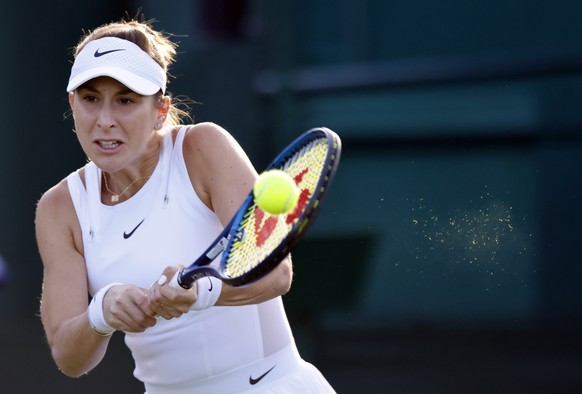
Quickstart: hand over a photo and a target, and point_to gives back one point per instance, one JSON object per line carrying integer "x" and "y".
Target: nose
{"x": 105, "y": 120}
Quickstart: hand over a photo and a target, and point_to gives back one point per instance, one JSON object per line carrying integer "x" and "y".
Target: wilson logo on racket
{"x": 266, "y": 224}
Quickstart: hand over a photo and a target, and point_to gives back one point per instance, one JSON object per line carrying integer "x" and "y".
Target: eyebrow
{"x": 88, "y": 86}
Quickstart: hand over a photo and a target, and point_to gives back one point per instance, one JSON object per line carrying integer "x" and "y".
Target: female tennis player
{"x": 153, "y": 195}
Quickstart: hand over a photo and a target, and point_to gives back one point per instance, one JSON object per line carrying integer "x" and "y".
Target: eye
{"x": 126, "y": 100}
{"x": 89, "y": 98}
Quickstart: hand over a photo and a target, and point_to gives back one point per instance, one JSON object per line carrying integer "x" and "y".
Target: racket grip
{"x": 176, "y": 283}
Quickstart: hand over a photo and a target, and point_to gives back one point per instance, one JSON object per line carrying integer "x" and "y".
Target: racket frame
{"x": 203, "y": 266}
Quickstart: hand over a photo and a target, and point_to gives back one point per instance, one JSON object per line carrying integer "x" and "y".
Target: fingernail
{"x": 162, "y": 280}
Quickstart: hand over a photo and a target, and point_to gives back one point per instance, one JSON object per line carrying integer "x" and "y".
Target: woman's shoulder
{"x": 206, "y": 132}
{"x": 54, "y": 208}
{"x": 208, "y": 139}
{"x": 58, "y": 196}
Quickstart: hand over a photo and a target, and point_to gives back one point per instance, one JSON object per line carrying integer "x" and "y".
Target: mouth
{"x": 108, "y": 144}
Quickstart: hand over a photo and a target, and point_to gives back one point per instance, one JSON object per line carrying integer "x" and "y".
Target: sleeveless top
{"x": 165, "y": 223}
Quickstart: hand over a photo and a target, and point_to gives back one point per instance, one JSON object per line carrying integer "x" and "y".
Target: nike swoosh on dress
{"x": 254, "y": 381}
{"x": 127, "y": 235}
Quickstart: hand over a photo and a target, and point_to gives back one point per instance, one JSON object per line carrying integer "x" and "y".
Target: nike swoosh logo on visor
{"x": 99, "y": 54}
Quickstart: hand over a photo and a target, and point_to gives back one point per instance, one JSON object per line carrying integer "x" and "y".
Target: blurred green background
{"x": 447, "y": 256}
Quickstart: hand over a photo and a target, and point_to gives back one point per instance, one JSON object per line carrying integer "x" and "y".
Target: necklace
{"x": 115, "y": 196}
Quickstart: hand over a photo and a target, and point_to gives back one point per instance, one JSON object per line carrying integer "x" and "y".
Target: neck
{"x": 122, "y": 185}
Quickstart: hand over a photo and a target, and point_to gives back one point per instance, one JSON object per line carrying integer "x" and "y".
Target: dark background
{"x": 447, "y": 256}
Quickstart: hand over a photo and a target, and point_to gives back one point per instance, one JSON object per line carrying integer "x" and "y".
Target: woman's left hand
{"x": 167, "y": 301}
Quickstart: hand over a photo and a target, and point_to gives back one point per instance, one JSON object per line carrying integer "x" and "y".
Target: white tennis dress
{"x": 217, "y": 350}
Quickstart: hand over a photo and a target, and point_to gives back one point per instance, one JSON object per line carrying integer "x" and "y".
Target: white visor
{"x": 121, "y": 60}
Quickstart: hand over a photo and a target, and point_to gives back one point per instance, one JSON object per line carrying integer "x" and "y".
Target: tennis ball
{"x": 276, "y": 192}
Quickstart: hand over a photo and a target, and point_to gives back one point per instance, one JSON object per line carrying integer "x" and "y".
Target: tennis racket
{"x": 254, "y": 242}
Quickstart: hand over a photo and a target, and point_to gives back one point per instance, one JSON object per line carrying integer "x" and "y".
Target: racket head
{"x": 258, "y": 241}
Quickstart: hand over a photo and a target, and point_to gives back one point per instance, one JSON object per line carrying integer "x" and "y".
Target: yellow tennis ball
{"x": 276, "y": 192}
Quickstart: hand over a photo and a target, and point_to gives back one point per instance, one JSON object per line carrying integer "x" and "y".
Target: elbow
{"x": 71, "y": 373}
{"x": 68, "y": 368}
{"x": 62, "y": 359}
{"x": 74, "y": 353}
{"x": 284, "y": 277}
{"x": 72, "y": 364}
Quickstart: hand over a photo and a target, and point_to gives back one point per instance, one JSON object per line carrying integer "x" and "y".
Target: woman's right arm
{"x": 75, "y": 346}
{"x": 76, "y": 349}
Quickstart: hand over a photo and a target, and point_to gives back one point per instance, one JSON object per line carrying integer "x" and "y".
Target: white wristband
{"x": 95, "y": 312}
{"x": 209, "y": 289}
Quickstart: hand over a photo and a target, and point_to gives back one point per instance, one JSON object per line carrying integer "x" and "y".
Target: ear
{"x": 71, "y": 100}
{"x": 163, "y": 110}
{"x": 164, "y": 106}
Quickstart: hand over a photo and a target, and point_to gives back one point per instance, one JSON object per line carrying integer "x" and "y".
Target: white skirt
{"x": 281, "y": 373}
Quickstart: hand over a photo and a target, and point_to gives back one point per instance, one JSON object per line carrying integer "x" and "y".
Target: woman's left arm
{"x": 222, "y": 176}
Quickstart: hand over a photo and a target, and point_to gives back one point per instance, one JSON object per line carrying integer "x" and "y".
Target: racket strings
{"x": 259, "y": 233}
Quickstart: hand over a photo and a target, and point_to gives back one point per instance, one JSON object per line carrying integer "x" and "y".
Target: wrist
{"x": 95, "y": 313}
{"x": 208, "y": 290}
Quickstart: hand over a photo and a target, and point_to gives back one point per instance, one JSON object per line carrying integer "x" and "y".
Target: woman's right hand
{"x": 126, "y": 308}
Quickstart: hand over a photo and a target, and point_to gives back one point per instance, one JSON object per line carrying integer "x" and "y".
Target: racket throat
{"x": 185, "y": 278}
{"x": 217, "y": 249}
